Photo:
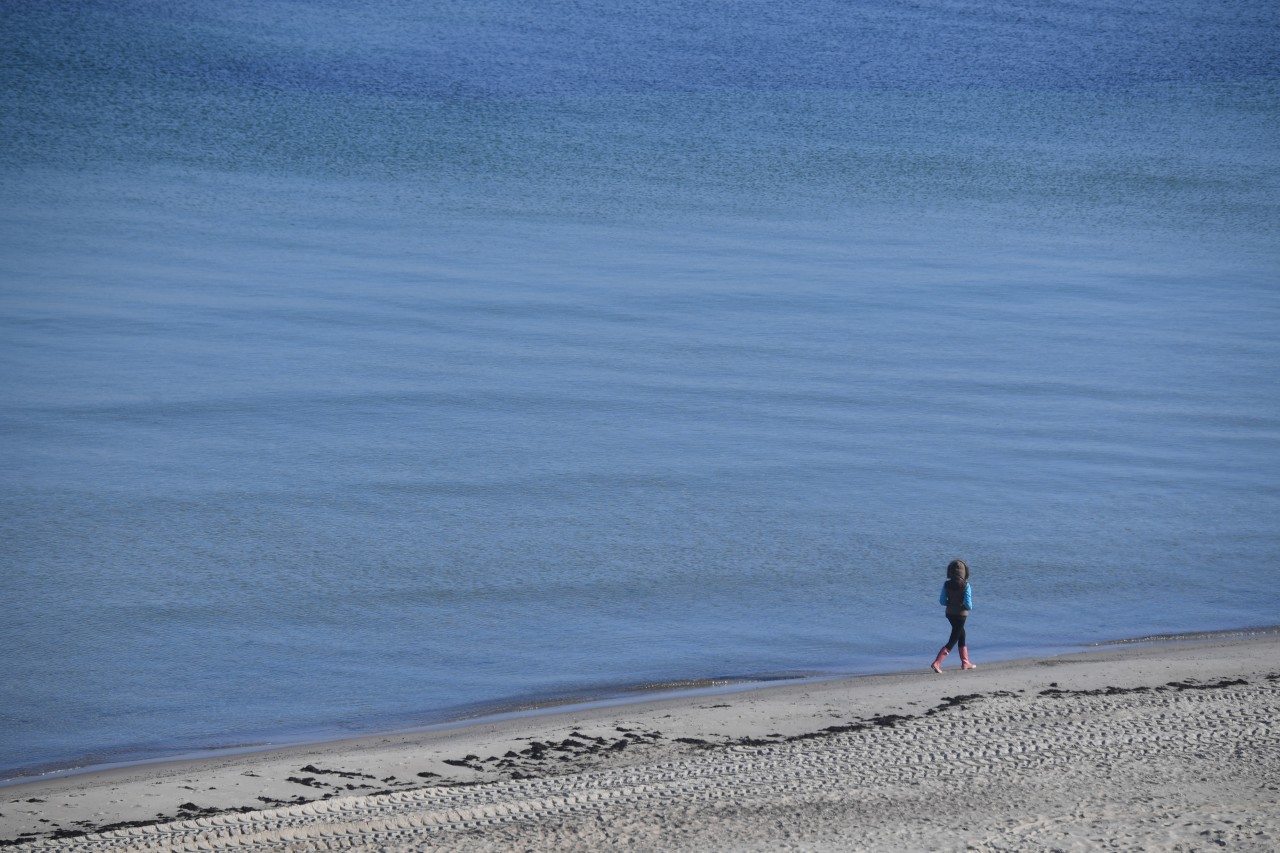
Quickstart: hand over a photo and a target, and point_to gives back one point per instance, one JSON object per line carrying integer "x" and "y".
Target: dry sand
{"x": 1170, "y": 746}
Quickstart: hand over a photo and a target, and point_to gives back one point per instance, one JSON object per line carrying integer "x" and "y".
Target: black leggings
{"x": 957, "y": 631}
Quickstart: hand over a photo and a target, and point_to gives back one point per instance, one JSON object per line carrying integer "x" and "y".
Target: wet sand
{"x": 1163, "y": 746}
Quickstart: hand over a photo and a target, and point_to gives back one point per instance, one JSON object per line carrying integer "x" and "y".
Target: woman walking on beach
{"x": 958, "y": 599}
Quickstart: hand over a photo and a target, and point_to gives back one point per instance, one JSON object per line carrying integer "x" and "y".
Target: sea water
{"x": 365, "y": 365}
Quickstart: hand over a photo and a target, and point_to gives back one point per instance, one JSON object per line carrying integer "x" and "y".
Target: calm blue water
{"x": 366, "y": 362}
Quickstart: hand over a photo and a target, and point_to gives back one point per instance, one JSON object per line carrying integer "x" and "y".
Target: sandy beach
{"x": 1155, "y": 746}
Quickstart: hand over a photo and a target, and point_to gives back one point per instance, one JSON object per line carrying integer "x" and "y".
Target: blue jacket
{"x": 968, "y": 596}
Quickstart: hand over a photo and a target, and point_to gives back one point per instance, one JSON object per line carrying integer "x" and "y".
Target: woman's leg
{"x": 957, "y": 631}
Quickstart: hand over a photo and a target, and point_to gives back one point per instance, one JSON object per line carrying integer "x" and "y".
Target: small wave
{"x": 1261, "y": 630}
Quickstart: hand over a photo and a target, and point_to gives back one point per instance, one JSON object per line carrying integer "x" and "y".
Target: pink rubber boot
{"x": 942, "y": 654}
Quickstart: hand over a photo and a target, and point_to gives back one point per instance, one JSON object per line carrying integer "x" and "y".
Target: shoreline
{"x": 560, "y": 745}
{"x": 612, "y": 696}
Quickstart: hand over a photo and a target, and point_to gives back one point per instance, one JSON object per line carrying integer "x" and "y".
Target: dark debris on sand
{"x": 1056, "y": 692}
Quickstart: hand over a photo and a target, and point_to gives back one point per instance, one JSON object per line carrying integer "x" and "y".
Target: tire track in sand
{"x": 1004, "y": 734}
